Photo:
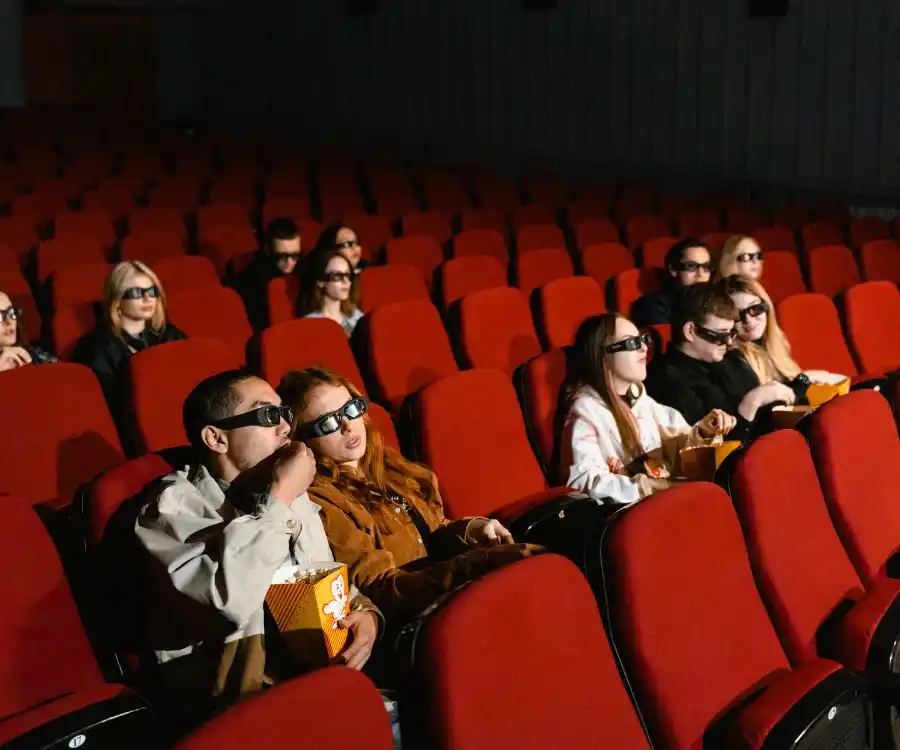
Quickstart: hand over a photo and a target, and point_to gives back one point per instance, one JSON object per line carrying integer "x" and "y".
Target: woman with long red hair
{"x": 618, "y": 444}
{"x": 382, "y": 513}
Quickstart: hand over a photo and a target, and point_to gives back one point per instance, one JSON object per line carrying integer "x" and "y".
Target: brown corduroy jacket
{"x": 401, "y": 570}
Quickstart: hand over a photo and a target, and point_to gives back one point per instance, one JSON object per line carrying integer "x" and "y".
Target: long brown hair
{"x": 381, "y": 468}
{"x": 590, "y": 367}
{"x": 770, "y": 360}
{"x": 314, "y": 268}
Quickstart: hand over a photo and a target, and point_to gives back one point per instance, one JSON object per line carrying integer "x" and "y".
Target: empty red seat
{"x": 467, "y": 468}
{"x": 745, "y": 219}
{"x": 655, "y": 250}
{"x": 832, "y": 269}
{"x": 40, "y": 206}
{"x": 294, "y": 208}
{"x": 872, "y": 312}
{"x": 394, "y": 201}
{"x": 181, "y": 272}
{"x": 634, "y": 283}
{"x": 146, "y": 220}
{"x": 782, "y": 276}
{"x": 62, "y": 253}
{"x": 161, "y": 379}
{"x": 282, "y": 294}
{"x": 317, "y": 702}
{"x": 469, "y": 273}
{"x": 94, "y": 224}
{"x": 631, "y": 206}
{"x": 812, "y": 327}
{"x": 116, "y": 203}
{"x": 19, "y": 233}
{"x": 539, "y": 267}
{"x": 481, "y": 242}
{"x": 715, "y": 241}
{"x": 539, "y": 389}
{"x": 496, "y": 330}
{"x": 848, "y": 437}
{"x": 868, "y": 229}
{"x": 382, "y": 285}
{"x": 444, "y": 193}
{"x": 776, "y": 492}
{"x": 595, "y": 231}
{"x": 639, "y": 229}
{"x": 544, "y": 189}
{"x": 672, "y": 205}
{"x": 310, "y": 229}
{"x": 373, "y": 232}
{"x": 219, "y": 215}
{"x": 776, "y": 238}
{"x": 474, "y": 219}
{"x": 698, "y": 222}
{"x": 495, "y": 192}
{"x": 149, "y": 247}
{"x": 75, "y": 285}
{"x": 820, "y": 234}
{"x": 68, "y": 325}
{"x": 212, "y": 312}
{"x": 532, "y": 216}
{"x": 48, "y": 670}
{"x": 428, "y": 223}
{"x": 408, "y": 349}
{"x": 566, "y": 644}
{"x": 539, "y": 237}
{"x": 678, "y": 651}
{"x": 419, "y": 251}
{"x": 881, "y": 260}
{"x": 586, "y": 209}
{"x": 791, "y": 216}
{"x": 223, "y": 243}
{"x": 606, "y": 261}
{"x": 76, "y": 438}
{"x": 565, "y": 304}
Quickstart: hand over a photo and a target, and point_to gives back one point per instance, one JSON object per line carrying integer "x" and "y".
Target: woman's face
{"x": 139, "y": 297}
{"x": 349, "y": 245}
{"x": 348, "y": 444}
{"x": 9, "y": 327}
{"x": 752, "y": 325}
{"x": 336, "y": 284}
{"x": 627, "y": 366}
{"x": 748, "y": 259}
{"x": 694, "y": 267}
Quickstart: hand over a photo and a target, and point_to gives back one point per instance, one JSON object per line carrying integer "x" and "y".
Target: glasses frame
{"x": 314, "y": 429}
{"x": 693, "y": 265}
{"x": 720, "y": 338}
{"x": 260, "y": 417}
{"x": 750, "y": 257}
{"x": 631, "y": 344}
{"x": 754, "y": 310}
{"x": 151, "y": 292}
{"x": 11, "y": 313}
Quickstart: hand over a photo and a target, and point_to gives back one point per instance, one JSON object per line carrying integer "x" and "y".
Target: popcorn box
{"x": 306, "y": 602}
{"x": 817, "y": 394}
{"x": 786, "y": 417}
{"x": 700, "y": 462}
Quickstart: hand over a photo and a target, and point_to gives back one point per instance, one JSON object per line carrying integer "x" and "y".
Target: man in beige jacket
{"x": 216, "y": 533}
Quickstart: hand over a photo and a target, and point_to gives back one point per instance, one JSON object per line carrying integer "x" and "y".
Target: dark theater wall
{"x": 692, "y": 87}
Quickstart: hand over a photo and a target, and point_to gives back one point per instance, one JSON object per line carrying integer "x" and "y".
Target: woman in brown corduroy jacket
{"x": 383, "y": 514}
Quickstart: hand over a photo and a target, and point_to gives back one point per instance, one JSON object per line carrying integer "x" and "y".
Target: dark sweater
{"x": 655, "y": 308}
{"x": 251, "y": 284}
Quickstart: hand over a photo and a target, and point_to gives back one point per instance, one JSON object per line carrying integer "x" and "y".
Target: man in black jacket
{"x": 279, "y": 257}
{"x": 687, "y": 263}
{"x": 698, "y": 372}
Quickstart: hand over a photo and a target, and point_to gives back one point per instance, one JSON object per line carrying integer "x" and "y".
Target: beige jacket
{"x": 209, "y": 567}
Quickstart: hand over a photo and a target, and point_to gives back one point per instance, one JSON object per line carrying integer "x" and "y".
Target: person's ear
{"x": 214, "y": 439}
{"x": 673, "y": 272}
{"x": 689, "y": 332}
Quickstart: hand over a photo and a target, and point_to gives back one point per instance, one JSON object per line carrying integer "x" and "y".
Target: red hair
{"x": 380, "y": 467}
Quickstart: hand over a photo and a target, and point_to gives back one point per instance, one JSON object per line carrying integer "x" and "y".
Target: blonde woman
{"x": 763, "y": 343}
{"x": 741, "y": 255}
{"x": 134, "y": 319}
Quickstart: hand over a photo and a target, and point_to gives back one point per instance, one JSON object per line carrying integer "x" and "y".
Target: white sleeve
{"x": 589, "y": 463}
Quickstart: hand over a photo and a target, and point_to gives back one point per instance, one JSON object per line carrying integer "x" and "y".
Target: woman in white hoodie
{"x": 618, "y": 444}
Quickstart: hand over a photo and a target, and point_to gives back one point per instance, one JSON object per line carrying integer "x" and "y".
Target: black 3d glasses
{"x": 631, "y": 344}
{"x": 264, "y": 416}
{"x": 136, "y": 292}
{"x": 331, "y": 422}
{"x": 754, "y": 311}
{"x": 715, "y": 337}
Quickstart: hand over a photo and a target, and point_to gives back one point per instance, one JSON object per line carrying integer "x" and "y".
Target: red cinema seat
{"x": 382, "y": 285}
{"x": 212, "y": 312}
{"x": 419, "y": 251}
{"x": 812, "y": 327}
{"x": 832, "y": 269}
{"x": 606, "y": 261}
{"x": 634, "y": 283}
{"x": 782, "y": 276}
{"x": 470, "y": 273}
{"x": 539, "y": 237}
{"x": 872, "y": 319}
{"x": 481, "y": 242}
{"x": 539, "y": 384}
{"x": 538, "y": 267}
{"x": 181, "y": 272}
{"x": 429, "y": 224}
{"x": 639, "y": 229}
{"x": 881, "y": 261}
{"x": 564, "y": 304}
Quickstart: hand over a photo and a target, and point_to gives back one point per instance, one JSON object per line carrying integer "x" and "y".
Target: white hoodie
{"x": 592, "y": 451}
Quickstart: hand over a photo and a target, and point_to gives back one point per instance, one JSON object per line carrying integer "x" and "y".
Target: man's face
{"x": 286, "y": 254}
{"x": 709, "y": 339}
{"x": 694, "y": 267}
{"x": 247, "y": 446}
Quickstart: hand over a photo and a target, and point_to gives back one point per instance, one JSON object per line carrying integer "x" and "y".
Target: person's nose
{"x": 345, "y": 426}
{"x": 283, "y": 428}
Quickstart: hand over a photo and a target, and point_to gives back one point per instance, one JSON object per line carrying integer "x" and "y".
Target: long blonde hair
{"x": 771, "y": 359}
{"x": 728, "y": 265}
{"x": 115, "y": 288}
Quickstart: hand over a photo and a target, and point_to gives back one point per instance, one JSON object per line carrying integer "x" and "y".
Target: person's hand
{"x": 717, "y": 422}
{"x": 364, "y": 627}
{"x": 487, "y": 532}
{"x": 13, "y": 356}
{"x": 293, "y": 472}
{"x": 780, "y": 393}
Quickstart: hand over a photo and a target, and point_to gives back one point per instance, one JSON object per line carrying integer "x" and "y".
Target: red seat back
{"x": 782, "y": 276}
{"x": 594, "y": 232}
{"x": 812, "y": 327}
{"x": 149, "y": 247}
{"x": 432, "y": 224}
{"x": 540, "y": 237}
{"x": 565, "y": 304}
{"x": 538, "y": 267}
{"x": 419, "y": 251}
{"x": 186, "y": 272}
{"x": 820, "y": 234}
{"x": 873, "y": 325}
{"x": 212, "y": 312}
{"x": 832, "y": 269}
{"x": 881, "y": 260}
{"x": 634, "y": 283}
{"x": 868, "y": 229}
{"x": 382, "y": 285}
{"x": 539, "y": 390}
{"x": 639, "y": 229}
{"x": 470, "y": 273}
{"x": 776, "y": 238}
{"x": 481, "y": 242}
{"x": 606, "y": 261}
{"x": 655, "y": 251}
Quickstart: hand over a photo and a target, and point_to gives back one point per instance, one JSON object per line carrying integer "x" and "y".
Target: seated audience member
{"x": 15, "y": 351}
{"x": 219, "y": 529}
{"x": 383, "y": 514}
{"x": 699, "y": 373}
{"x": 763, "y": 343}
{"x": 741, "y": 255}
{"x": 343, "y": 238}
{"x": 687, "y": 263}
{"x": 618, "y": 444}
{"x": 328, "y": 289}
{"x": 134, "y": 319}
{"x": 279, "y": 257}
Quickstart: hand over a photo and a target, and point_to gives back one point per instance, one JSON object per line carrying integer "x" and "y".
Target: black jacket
{"x": 108, "y": 355}
{"x": 251, "y": 284}
{"x": 655, "y": 308}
